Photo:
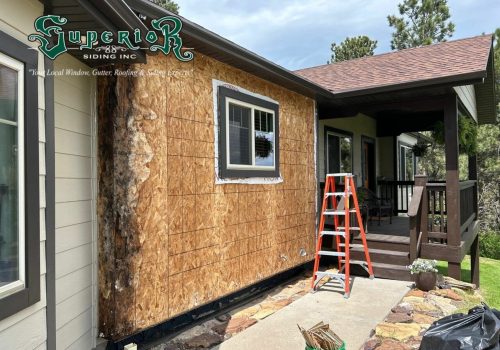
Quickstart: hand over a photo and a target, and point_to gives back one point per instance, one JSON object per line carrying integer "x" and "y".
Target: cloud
{"x": 298, "y": 34}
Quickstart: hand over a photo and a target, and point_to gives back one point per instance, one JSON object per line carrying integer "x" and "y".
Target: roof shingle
{"x": 448, "y": 59}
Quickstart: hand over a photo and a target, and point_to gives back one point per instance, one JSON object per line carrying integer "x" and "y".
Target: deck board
{"x": 400, "y": 226}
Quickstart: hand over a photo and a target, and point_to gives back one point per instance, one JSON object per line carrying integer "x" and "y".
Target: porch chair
{"x": 376, "y": 206}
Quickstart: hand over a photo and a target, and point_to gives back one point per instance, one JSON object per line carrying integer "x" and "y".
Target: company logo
{"x": 54, "y": 40}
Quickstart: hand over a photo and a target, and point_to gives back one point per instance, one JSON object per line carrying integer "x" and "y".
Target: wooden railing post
{"x": 421, "y": 180}
{"x": 452, "y": 179}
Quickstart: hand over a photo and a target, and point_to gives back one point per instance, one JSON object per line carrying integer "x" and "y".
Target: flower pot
{"x": 426, "y": 281}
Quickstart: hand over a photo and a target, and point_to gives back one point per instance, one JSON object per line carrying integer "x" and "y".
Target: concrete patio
{"x": 352, "y": 319}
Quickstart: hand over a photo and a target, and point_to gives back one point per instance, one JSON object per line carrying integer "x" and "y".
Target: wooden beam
{"x": 443, "y": 252}
{"x": 452, "y": 179}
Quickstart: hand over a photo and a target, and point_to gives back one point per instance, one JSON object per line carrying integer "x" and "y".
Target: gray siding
{"x": 75, "y": 218}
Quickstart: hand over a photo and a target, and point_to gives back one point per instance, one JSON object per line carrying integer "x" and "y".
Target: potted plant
{"x": 420, "y": 149}
{"x": 425, "y": 273}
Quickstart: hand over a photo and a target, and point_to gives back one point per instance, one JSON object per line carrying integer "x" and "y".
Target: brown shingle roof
{"x": 460, "y": 58}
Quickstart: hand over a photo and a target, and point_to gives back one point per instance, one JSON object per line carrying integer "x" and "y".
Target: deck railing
{"x": 468, "y": 203}
{"x": 438, "y": 211}
{"x": 398, "y": 192}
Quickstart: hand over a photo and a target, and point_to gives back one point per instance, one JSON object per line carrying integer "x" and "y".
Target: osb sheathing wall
{"x": 170, "y": 239}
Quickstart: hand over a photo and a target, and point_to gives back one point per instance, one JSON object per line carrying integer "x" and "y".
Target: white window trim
{"x": 20, "y": 283}
{"x": 252, "y": 132}
{"x": 340, "y": 136}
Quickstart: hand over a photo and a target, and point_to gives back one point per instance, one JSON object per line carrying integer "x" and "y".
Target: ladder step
{"x": 357, "y": 262}
{"x": 350, "y": 228}
{"x": 352, "y": 245}
{"x": 329, "y": 194}
{"x": 337, "y": 212}
{"x": 333, "y": 233}
{"x": 329, "y": 253}
{"x": 338, "y": 175}
{"x": 320, "y": 274}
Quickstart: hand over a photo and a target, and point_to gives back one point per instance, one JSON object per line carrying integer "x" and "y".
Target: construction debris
{"x": 458, "y": 284}
{"x": 321, "y": 337}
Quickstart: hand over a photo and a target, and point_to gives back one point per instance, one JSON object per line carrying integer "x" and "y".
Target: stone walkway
{"x": 404, "y": 326}
{"x": 352, "y": 319}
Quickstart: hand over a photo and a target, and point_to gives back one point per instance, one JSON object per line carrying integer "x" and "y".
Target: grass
{"x": 489, "y": 273}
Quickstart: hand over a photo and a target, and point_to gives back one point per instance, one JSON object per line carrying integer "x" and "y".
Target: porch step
{"x": 381, "y": 255}
{"x": 392, "y": 272}
{"x": 385, "y": 242}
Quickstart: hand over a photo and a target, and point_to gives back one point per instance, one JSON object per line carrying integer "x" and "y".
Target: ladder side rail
{"x": 362, "y": 229}
{"x": 347, "y": 236}
{"x": 320, "y": 237}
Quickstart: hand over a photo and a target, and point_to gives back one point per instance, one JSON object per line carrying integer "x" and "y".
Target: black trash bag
{"x": 478, "y": 330}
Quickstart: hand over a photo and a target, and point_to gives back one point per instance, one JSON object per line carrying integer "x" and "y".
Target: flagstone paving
{"x": 407, "y": 322}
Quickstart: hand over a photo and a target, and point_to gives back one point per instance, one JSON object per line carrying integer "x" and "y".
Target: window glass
{"x": 11, "y": 243}
{"x": 239, "y": 135}
{"x": 339, "y": 153}
{"x": 264, "y": 138}
{"x": 407, "y": 163}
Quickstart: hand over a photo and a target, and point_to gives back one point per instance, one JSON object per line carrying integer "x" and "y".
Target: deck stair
{"x": 389, "y": 254}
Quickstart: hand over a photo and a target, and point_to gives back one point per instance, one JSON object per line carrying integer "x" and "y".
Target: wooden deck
{"x": 400, "y": 226}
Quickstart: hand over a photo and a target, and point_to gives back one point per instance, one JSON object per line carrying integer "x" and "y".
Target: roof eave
{"x": 455, "y": 80}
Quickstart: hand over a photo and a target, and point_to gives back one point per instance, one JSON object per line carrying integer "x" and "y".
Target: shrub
{"x": 489, "y": 245}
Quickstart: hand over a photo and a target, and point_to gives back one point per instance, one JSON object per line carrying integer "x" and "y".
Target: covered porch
{"x": 433, "y": 218}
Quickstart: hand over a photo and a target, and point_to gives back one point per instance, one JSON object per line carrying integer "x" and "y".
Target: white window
{"x": 250, "y": 137}
{"x": 12, "y": 204}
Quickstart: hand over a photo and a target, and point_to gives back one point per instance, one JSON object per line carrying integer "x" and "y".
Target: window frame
{"x": 227, "y": 170}
{"x": 17, "y": 66}
{"x": 30, "y": 294}
{"x": 339, "y": 133}
{"x": 402, "y": 169}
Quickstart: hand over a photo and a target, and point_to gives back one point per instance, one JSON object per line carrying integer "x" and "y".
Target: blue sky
{"x": 298, "y": 33}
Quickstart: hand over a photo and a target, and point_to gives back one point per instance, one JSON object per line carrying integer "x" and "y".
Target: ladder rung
{"x": 351, "y": 245}
{"x": 357, "y": 262}
{"x": 337, "y": 212}
{"x": 338, "y": 175}
{"x": 333, "y": 233}
{"x": 350, "y": 228}
{"x": 329, "y": 253}
{"x": 330, "y": 274}
{"x": 329, "y": 194}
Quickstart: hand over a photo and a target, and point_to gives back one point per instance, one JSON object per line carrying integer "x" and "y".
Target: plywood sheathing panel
{"x": 188, "y": 241}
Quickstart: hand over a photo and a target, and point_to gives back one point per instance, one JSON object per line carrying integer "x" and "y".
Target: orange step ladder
{"x": 341, "y": 232}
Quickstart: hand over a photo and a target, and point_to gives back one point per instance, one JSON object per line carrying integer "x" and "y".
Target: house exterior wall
{"x": 170, "y": 238}
{"x": 359, "y": 126}
{"x": 27, "y": 329}
{"x": 467, "y": 96}
{"x": 75, "y": 205}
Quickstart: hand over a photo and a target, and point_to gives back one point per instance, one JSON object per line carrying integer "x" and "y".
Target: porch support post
{"x": 452, "y": 179}
{"x": 474, "y": 261}
{"x": 474, "y": 249}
